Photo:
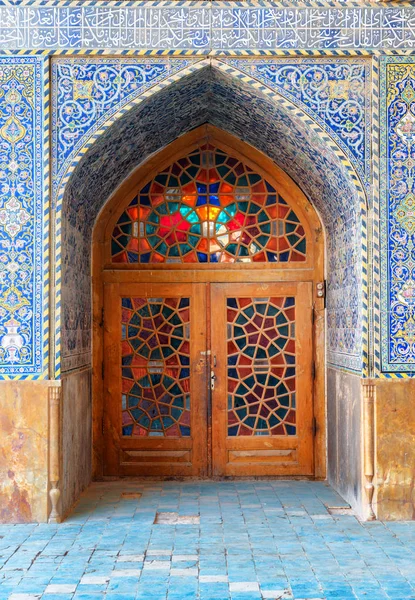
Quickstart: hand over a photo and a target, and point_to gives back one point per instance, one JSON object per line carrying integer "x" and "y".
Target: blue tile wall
{"x": 397, "y": 187}
{"x": 21, "y": 217}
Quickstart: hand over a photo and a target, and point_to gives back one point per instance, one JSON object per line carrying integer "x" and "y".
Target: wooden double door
{"x": 208, "y": 379}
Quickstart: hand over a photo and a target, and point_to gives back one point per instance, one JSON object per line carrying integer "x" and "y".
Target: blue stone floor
{"x": 255, "y": 539}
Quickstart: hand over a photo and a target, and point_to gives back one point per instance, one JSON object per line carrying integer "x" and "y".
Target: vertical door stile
{"x": 209, "y": 364}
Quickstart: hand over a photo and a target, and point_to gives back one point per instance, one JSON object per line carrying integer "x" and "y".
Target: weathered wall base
{"x": 395, "y": 449}
{"x": 344, "y": 435}
{"x": 24, "y": 434}
{"x": 76, "y": 436}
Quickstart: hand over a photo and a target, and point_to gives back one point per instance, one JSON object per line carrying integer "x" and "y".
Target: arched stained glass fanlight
{"x": 208, "y": 207}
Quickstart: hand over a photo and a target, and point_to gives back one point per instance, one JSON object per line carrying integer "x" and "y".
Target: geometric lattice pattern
{"x": 208, "y": 207}
{"x": 156, "y": 367}
{"x": 261, "y": 366}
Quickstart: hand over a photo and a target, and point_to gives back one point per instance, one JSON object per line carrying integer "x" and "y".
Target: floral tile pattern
{"x": 334, "y": 91}
{"x": 88, "y": 91}
{"x": 21, "y": 216}
{"x": 398, "y": 213}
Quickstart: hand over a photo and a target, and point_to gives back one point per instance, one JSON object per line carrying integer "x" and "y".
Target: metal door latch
{"x": 212, "y": 380}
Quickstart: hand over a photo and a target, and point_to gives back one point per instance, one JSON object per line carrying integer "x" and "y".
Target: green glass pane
{"x": 173, "y": 182}
{"x": 196, "y": 229}
{"x": 283, "y": 330}
{"x": 127, "y": 228}
{"x": 241, "y": 320}
{"x": 262, "y": 240}
{"x": 175, "y": 320}
{"x": 176, "y": 413}
{"x": 184, "y": 178}
{"x": 231, "y": 209}
{"x": 162, "y": 248}
{"x": 192, "y": 217}
{"x": 254, "y": 178}
{"x": 249, "y": 311}
{"x": 260, "y": 353}
{"x": 301, "y": 247}
{"x": 292, "y": 217}
{"x": 161, "y": 178}
{"x": 223, "y": 170}
{"x": 174, "y": 250}
{"x": 254, "y": 209}
{"x": 242, "y": 413}
{"x": 125, "y": 218}
{"x": 115, "y": 248}
{"x": 230, "y": 178}
{"x": 123, "y": 240}
{"x": 192, "y": 171}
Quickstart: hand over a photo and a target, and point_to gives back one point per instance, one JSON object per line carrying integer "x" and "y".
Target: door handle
{"x": 212, "y": 379}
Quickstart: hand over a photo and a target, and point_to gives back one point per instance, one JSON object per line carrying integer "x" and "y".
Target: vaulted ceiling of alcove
{"x": 209, "y": 96}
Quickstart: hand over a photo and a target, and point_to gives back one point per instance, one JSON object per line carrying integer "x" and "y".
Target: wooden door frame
{"x": 312, "y": 270}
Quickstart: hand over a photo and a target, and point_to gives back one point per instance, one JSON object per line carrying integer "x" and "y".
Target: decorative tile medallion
{"x": 21, "y": 216}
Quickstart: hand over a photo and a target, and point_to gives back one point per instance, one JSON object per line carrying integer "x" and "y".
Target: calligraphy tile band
{"x": 205, "y": 26}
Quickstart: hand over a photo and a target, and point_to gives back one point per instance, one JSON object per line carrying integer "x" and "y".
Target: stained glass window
{"x": 261, "y": 366}
{"x": 155, "y": 367}
{"x": 208, "y": 207}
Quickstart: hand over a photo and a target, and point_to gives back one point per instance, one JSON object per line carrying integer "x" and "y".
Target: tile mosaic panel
{"x": 334, "y": 91}
{"x": 397, "y": 88}
{"x": 21, "y": 216}
{"x": 88, "y": 91}
{"x": 245, "y": 112}
{"x": 205, "y": 26}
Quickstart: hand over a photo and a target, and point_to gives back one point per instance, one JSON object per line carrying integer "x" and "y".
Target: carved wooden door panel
{"x": 262, "y": 399}
{"x": 155, "y": 417}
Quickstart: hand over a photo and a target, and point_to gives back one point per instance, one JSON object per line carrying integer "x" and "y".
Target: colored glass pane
{"x": 154, "y": 364}
{"x": 261, "y": 366}
{"x": 208, "y": 207}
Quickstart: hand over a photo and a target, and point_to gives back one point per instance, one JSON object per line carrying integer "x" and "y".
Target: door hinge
{"x": 314, "y": 427}
{"x": 102, "y": 317}
{"x": 313, "y": 370}
{"x": 102, "y": 369}
{"x": 103, "y": 427}
{"x": 321, "y": 289}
